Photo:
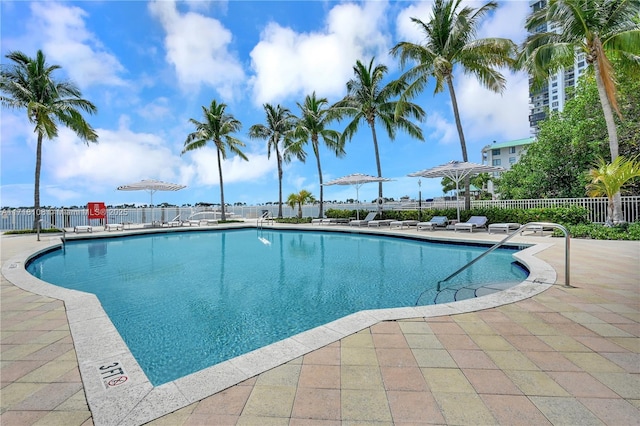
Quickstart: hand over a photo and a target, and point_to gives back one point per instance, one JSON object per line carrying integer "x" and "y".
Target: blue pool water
{"x": 185, "y": 301}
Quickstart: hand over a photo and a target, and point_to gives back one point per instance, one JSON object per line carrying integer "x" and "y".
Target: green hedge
{"x": 293, "y": 220}
{"x": 594, "y": 231}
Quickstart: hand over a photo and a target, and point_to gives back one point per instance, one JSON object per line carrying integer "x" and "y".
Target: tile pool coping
{"x": 136, "y": 401}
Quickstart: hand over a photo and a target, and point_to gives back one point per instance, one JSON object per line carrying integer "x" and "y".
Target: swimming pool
{"x": 186, "y": 301}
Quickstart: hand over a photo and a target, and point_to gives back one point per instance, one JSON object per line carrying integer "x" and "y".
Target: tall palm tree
{"x": 605, "y": 31}
{"x": 607, "y": 179}
{"x": 29, "y": 84}
{"x": 217, "y": 127}
{"x": 299, "y": 199}
{"x": 450, "y": 41}
{"x": 369, "y": 101}
{"x": 279, "y": 133}
{"x": 311, "y": 126}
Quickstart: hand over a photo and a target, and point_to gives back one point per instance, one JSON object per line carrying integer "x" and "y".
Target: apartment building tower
{"x": 552, "y": 96}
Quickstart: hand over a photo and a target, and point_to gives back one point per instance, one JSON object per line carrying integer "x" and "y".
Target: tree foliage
{"x": 217, "y": 127}
{"x": 29, "y": 84}
{"x": 279, "y": 133}
{"x": 370, "y": 101}
{"x": 607, "y": 179}
{"x": 312, "y": 126}
{"x": 299, "y": 199}
{"x": 569, "y": 143}
{"x": 449, "y": 41}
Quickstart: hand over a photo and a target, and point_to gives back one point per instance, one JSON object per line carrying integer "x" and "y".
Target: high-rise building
{"x": 552, "y": 96}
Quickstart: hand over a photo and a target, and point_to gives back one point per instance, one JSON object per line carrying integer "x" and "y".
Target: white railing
{"x": 597, "y": 207}
{"x": 17, "y": 219}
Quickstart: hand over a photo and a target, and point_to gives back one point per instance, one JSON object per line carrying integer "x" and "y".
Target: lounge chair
{"x": 365, "y": 221}
{"x": 175, "y": 222}
{"x": 114, "y": 227}
{"x": 402, "y": 223}
{"x": 435, "y": 222}
{"x": 474, "y": 222}
{"x": 380, "y": 222}
{"x": 82, "y": 228}
{"x": 503, "y": 227}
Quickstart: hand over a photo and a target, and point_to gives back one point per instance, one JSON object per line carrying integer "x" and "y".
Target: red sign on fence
{"x": 97, "y": 210}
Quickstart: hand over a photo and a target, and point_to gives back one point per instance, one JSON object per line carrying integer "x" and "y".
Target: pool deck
{"x": 566, "y": 355}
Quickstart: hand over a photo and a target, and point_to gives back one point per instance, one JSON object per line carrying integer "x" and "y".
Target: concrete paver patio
{"x": 569, "y": 355}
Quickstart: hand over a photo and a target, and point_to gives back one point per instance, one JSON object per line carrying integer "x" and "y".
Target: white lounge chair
{"x": 474, "y": 222}
{"x": 175, "y": 222}
{"x": 114, "y": 227}
{"x": 365, "y": 221}
{"x": 503, "y": 227}
{"x": 435, "y": 222}
{"x": 402, "y": 223}
{"x": 380, "y": 222}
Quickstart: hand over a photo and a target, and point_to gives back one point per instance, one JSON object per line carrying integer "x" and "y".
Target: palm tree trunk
{"x": 222, "y": 207}
{"x": 36, "y": 190}
{"x": 300, "y": 210}
{"x": 375, "y": 149}
{"x": 613, "y": 136}
{"x": 279, "y": 185}
{"x": 463, "y": 144}
{"x": 314, "y": 143}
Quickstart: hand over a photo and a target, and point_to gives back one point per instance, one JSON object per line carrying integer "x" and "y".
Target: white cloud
{"x": 197, "y": 46}
{"x": 507, "y": 21}
{"x": 405, "y": 28}
{"x": 485, "y": 113}
{"x": 440, "y": 129}
{"x": 287, "y": 63}
{"x": 121, "y": 156}
{"x": 66, "y": 41}
{"x": 204, "y": 165}
{"x": 156, "y": 110}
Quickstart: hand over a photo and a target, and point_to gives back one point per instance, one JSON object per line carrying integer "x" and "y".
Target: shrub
{"x": 293, "y": 220}
{"x": 594, "y": 231}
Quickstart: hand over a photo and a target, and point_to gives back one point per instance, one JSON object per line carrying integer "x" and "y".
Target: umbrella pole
{"x": 458, "y": 198}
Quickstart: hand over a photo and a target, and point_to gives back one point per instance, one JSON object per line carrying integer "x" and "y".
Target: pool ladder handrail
{"x": 64, "y": 236}
{"x": 265, "y": 217}
{"x": 537, "y": 225}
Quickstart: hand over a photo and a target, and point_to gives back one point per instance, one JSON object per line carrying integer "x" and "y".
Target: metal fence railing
{"x": 16, "y": 219}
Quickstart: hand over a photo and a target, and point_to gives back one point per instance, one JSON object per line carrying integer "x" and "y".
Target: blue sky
{"x": 150, "y": 66}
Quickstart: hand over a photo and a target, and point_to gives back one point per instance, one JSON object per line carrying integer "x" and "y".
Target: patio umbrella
{"x": 151, "y": 186}
{"x": 356, "y": 179}
{"x": 456, "y": 171}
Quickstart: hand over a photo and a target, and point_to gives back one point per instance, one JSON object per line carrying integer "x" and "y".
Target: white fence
{"x": 16, "y": 219}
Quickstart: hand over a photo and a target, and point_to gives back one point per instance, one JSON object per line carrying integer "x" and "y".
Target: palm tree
{"x": 608, "y": 179}
{"x": 217, "y": 127}
{"x": 450, "y": 41}
{"x": 368, "y": 101}
{"x": 302, "y": 197}
{"x": 311, "y": 126}
{"x": 604, "y": 31}
{"x": 29, "y": 84}
{"x": 279, "y": 133}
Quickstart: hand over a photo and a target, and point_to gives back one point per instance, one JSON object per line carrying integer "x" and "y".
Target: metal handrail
{"x": 541, "y": 225}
